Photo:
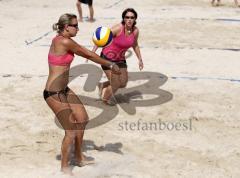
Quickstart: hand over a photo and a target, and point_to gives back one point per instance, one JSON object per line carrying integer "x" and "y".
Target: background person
{"x": 215, "y": 4}
{"x": 90, "y": 7}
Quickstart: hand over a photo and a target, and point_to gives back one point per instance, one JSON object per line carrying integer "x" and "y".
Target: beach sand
{"x": 191, "y": 55}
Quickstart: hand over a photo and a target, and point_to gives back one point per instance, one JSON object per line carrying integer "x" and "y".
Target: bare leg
{"x": 63, "y": 112}
{"x": 123, "y": 77}
{"x": 113, "y": 87}
{"x": 101, "y": 86}
{"x": 66, "y": 145}
{"x": 91, "y": 11}
{"x": 80, "y": 158}
{"x": 78, "y": 145}
{"x": 81, "y": 117}
{"x": 213, "y": 1}
{"x": 68, "y": 110}
{"x": 116, "y": 82}
{"x": 236, "y": 3}
{"x": 79, "y": 11}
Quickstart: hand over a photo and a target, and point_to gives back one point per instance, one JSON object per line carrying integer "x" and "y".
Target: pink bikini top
{"x": 60, "y": 60}
{"x": 120, "y": 44}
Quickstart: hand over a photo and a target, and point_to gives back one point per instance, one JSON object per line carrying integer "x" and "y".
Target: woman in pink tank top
{"x": 66, "y": 105}
{"x": 125, "y": 37}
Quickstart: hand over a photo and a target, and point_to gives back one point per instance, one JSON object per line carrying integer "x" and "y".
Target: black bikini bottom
{"x": 120, "y": 64}
{"x": 47, "y": 93}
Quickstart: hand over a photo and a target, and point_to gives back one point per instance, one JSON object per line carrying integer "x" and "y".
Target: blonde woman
{"x": 60, "y": 98}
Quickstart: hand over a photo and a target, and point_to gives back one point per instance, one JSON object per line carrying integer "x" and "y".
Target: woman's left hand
{"x": 115, "y": 69}
{"x": 140, "y": 63}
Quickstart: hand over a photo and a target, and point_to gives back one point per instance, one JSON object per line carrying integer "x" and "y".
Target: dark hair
{"x": 64, "y": 19}
{"x": 126, "y": 11}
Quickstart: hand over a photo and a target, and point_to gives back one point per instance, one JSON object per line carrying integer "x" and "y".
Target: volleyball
{"x": 102, "y": 36}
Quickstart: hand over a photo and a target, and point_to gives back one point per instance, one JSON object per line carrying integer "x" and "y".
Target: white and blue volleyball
{"x": 102, "y": 36}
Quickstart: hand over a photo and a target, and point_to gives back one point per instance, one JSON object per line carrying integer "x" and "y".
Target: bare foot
{"x": 91, "y": 20}
{"x": 67, "y": 170}
{"x": 100, "y": 89}
{"x": 83, "y": 161}
{"x": 111, "y": 102}
{"x": 80, "y": 20}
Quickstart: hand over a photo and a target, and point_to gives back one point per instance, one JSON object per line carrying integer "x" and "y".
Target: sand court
{"x": 190, "y": 50}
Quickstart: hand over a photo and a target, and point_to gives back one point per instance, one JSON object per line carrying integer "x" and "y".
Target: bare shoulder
{"x": 116, "y": 29}
{"x": 117, "y": 26}
{"x": 136, "y": 30}
{"x": 66, "y": 41}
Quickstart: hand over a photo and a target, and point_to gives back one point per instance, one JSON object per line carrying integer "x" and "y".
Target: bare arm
{"x": 84, "y": 52}
{"x": 94, "y": 48}
{"x": 137, "y": 51}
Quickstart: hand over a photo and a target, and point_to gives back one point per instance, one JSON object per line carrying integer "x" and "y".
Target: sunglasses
{"x": 129, "y": 17}
{"x": 73, "y": 25}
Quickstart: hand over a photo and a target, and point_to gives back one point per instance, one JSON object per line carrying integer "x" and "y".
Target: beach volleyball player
{"x": 60, "y": 98}
{"x": 125, "y": 36}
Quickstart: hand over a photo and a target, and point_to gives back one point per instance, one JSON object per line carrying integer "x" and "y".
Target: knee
{"x": 123, "y": 85}
{"x": 80, "y": 118}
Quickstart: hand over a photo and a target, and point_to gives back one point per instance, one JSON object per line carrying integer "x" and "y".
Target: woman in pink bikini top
{"x": 66, "y": 105}
{"x": 125, "y": 36}
{"x": 60, "y": 60}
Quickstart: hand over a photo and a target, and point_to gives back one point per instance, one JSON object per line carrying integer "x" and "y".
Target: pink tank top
{"x": 60, "y": 60}
{"x": 120, "y": 44}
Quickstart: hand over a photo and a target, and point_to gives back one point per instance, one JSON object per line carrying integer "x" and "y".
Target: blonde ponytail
{"x": 55, "y": 27}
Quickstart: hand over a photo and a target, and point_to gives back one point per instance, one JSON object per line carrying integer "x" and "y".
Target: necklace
{"x": 129, "y": 31}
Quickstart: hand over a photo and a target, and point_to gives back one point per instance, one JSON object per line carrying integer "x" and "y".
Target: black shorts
{"x": 89, "y": 2}
{"x": 120, "y": 64}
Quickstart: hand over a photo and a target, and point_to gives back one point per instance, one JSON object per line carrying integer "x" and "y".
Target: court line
{"x": 172, "y": 77}
{"x": 158, "y": 47}
{"x": 49, "y": 32}
{"x": 114, "y": 4}
{"x": 37, "y": 39}
{"x": 205, "y": 78}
